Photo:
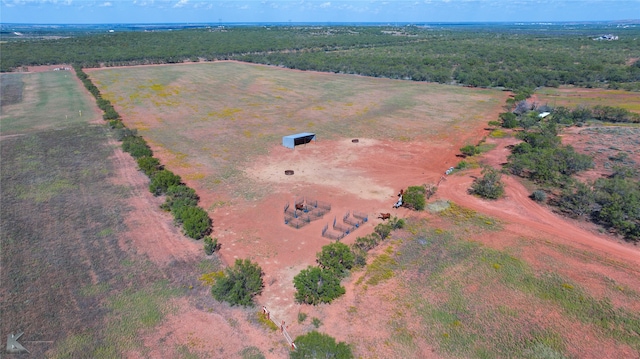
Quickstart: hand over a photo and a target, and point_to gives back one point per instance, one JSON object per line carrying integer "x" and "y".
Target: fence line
{"x": 283, "y": 328}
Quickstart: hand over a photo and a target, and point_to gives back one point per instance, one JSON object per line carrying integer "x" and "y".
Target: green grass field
{"x": 42, "y": 100}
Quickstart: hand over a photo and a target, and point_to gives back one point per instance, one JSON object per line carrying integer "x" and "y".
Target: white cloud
{"x": 181, "y": 3}
{"x": 325, "y": 5}
{"x": 106, "y": 4}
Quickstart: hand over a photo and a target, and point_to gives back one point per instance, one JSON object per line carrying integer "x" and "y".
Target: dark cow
{"x": 384, "y": 216}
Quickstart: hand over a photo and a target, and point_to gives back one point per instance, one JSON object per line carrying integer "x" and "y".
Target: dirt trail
{"x": 530, "y": 219}
{"x": 150, "y": 231}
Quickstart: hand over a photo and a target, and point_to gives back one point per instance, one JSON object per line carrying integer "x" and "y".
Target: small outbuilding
{"x": 298, "y": 139}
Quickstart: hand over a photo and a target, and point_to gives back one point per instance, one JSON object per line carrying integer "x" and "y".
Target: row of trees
{"x": 503, "y": 57}
{"x": 180, "y": 200}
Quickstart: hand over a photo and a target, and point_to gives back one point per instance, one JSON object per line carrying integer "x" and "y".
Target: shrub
{"x": 136, "y": 146}
{"x": 318, "y": 345}
{"x": 336, "y": 257}
{"x": 462, "y": 165}
{"x": 239, "y": 284}
{"x": 302, "y": 317}
{"x": 539, "y": 195}
{"x": 148, "y": 165}
{"x": 414, "y": 197}
{"x": 489, "y": 186}
{"x": 383, "y": 230}
{"x": 180, "y": 196}
{"x": 195, "y": 221}
{"x": 211, "y": 245}
{"x": 162, "y": 180}
{"x": 316, "y": 322}
{"x": 315, "y": 285}
{"x": 509, "y": 120}
{"x": 122, "y": 132}
{"x": 470, "y": 150}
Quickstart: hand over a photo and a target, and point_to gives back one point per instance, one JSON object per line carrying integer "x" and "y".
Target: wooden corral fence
{"x": 281, "y": 325}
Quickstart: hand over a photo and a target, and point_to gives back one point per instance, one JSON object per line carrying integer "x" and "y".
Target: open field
{"x": 577, "y": 96}
{"x": 482, "y": 279}
{"x": 74, "y": 210}
{"x": 47, "y": 100}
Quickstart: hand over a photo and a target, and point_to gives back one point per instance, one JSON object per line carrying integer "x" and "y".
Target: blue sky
{"x": 417, "y": 11}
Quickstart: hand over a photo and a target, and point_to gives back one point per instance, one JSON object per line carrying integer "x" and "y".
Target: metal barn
{"x": 298, "y": 139}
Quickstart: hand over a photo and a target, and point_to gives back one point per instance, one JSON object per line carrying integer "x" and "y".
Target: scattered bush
{"x": 318, "y": 345}
{"x": 180, "y": 196}
{"x": 337, "y": 258}
{"x": 414, "y": 197}
{"x": 148, "y": 165}
{"x": 195, "y": 221}
{"x": 302, "y": 317}
{"x": 162, "y": 180}
{"x": 509, "y": 120}
{"x": 211, "y": 245}
{"x": 539, "y": 195}
{"x": 462, "y": 165}
{"x": 316, "y": 322}
{"x": 470, "y": 150}
{"x": 136, "y": 146}
{"x": 315, "y": 285}
{"x": 383, "y": 230}
{"x": 489, "y": 186}
{"x": 239, "y": 284}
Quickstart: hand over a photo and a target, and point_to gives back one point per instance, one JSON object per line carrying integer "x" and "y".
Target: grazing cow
{"x": 299, "y": 207}
{"x": 384, "y": 216}
{"x": 399, "y": 203}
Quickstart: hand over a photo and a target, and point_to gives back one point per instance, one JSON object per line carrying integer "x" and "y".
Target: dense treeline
{"x": 475, "y": 57}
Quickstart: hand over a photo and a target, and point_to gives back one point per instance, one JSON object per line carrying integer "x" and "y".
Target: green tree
{"x": 162, "y": 180}
{"x": 180, "y": 196}
{"x": 239, "y": 284}
{"x": 577, "y": 201}
{"x": 336, "y": 257}
{"x": 148, "y": 165}
{"x": 315, "y": 285}
{"x": 195, "y": 221}
{"x": 136, "y": 146}
{"x": 315, "y": 345}
{"x": 489, "y": 186}
{"x": 414, "y": 196}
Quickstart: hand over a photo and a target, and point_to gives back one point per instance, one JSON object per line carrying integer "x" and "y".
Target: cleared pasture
{"x": 43, "y": 100}
{"x": 576, "y": 96}
{"x": 209, "y": 120}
